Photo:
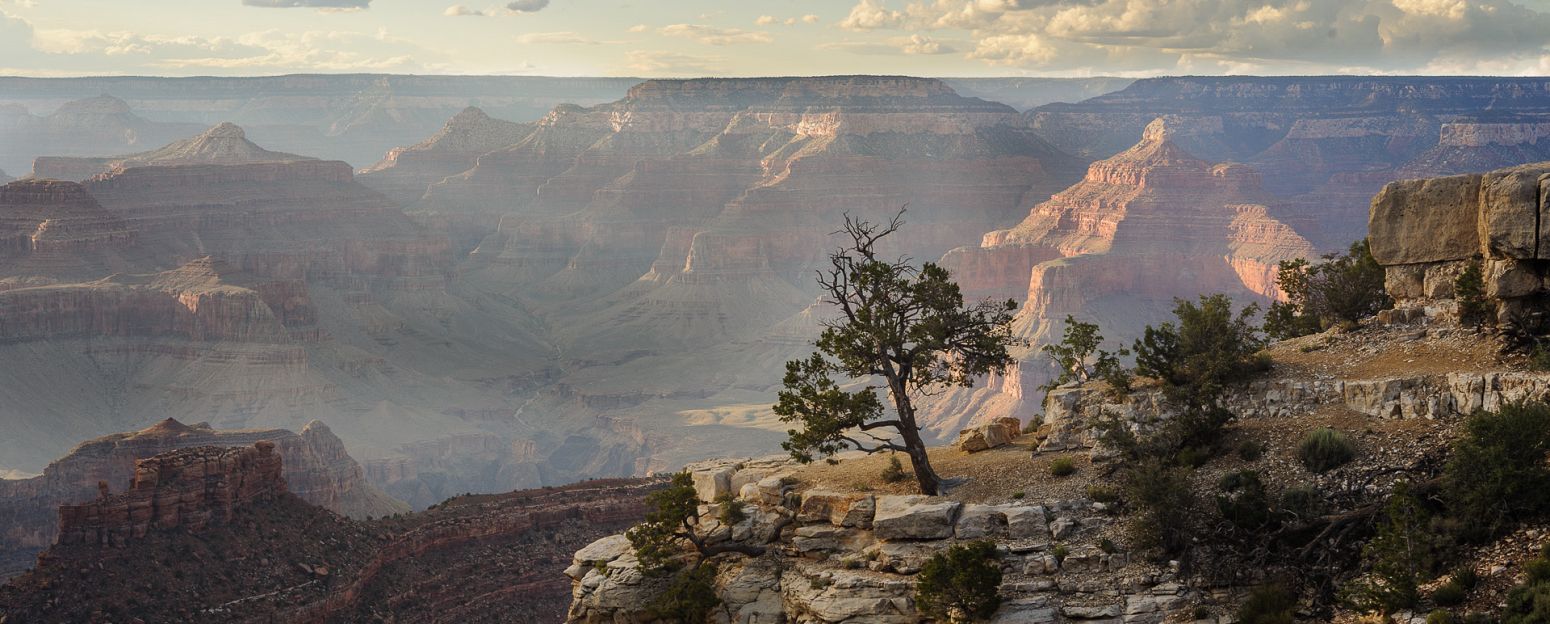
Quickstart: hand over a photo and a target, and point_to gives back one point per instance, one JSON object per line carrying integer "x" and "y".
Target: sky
{"x": 655, "y": 38}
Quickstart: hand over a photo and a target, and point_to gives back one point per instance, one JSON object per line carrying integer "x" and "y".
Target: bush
{"x": 1270, "y": 604}
{"x": 1163, "y": 503}
{"x": 1102, "y": 493}
{"x": 1243, "y": 502}
{"x": 1340, "y": 290}
{"x": 1449, "y": 594}
{"x": 1324, "y": 449}
{"x": 1301, "y": 501}
{"x": 1208, "y": 348}
{"x": 1249, "y": 450}
{"x": 1469, "y": 291}
{"x": 1405, "y": 552}
{"x": 1497, "y": 473}
{"x": 1062, "y": 467}
{"x": 1439, "y": 617}
{"x": 894, "y": 473}
{"x": 1079, "y": 359}
{"x": 1529, "y": 603}
{"x": 689, "y": 597}
{"x": 965, "y": 578}
{"x": 1466, "y": 578}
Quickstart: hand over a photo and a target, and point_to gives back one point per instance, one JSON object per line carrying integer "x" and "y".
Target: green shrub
{"x": 1102, "y": 493}
{"x": 1059, "y": 552}
{"x": 730, "y": 510}
{"x": 1079, "y": 359}
{"x": 1449, "y": 594}
{"x": 1340, "y": 290}
{"x": 1243, "y": 502}
{"x": 1163, "y": 503}
{"x": 1324, "y": 449}
{"x": 1439, "y": 616}
{"x": 689, "y": 597}
{"x": 1469, "y": 291}
{"x": 1018, "y": 495}
{"x": 1062, "y": 466}
{"x": 1301, "y": 501}
{"x": 1466, "y": 578}
{"x": 1249, "y": 450}
{"x": 894, "y": 473}
{"x": 1405, "y": 552}
{"x": 1269, "y": 604}
{"x": 1208, "y": 348}
{"x": 965, "y": 578}
{"x": 1497, "y": 473}
{"x": 1108, "y": 546}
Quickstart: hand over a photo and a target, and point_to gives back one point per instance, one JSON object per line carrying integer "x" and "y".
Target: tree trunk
{"x": 930, "y": 483}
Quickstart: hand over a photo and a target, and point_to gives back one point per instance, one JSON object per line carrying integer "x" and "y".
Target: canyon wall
{"x": 188, "y": 489}
{"x": 1145, "y": 226}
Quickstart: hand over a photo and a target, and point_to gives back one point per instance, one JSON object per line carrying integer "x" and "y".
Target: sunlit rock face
{"x": 1327, "y": 144}
{"x": 223, "y": 144}
{"x": 1146, "y": 226}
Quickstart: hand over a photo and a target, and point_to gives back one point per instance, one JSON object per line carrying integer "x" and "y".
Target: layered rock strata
{"x": 222, "y": 144}
{"x": 1426, "y": 232}
{"x": 406, "y": 173}
{"x": 316, "y": 468}
{"x": 187, "y": 489}
{"x": 845, "y": 556}
{"x": 1144, "y": 227}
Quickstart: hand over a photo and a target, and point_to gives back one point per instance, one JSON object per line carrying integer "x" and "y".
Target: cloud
{"x": 713, "y": 35}
{"x": 809, "y": 19}
{"x": 894, "y": 46}
{"x": 638, "y": 28}
{"x": 1264, "y": 36}
{"x": 315, "y": 4}
{"x": 765, "y": 20}
{"x": 771, "y": 20}
{"x": 559, "y": 37}
{"x": 459, "y": 10}
{"x": 527, "y": 6}
{"x": 663, "y": 63}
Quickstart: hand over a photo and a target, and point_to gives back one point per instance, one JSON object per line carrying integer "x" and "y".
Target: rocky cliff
{"x": 93, "y": 126}
{"x": 57, "y": 229}
{"x": 483, "y": 558}
{"x": 407, "y": 172}
{"x": 1146, "y": 226}
{"x": 316, "y": 468}
{"x": 222, "y": 144}
{"x": 1425, "y": 232}
{"x": 189, "y": 489}
{"x": 1331, "y": 141}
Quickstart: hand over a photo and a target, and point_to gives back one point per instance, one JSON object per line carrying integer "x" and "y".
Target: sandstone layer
{"x": 1146, "y": 226}
{"x": 223, "y": 144}
{"x": 316, "y": 468}
{"x": 407, "y": 172}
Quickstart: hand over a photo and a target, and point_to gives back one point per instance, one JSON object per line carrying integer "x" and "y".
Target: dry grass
{"x": 1375, "y": 351}
{"x": 991, "y": 476}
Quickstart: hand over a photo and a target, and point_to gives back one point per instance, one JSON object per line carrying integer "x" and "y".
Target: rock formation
{"x": 223, "y": 144}
{"x": 1331, "y": 141}
{"x": 187, "y": 489}
{"x": 316, "y": 468}
{"x": 407, "y": 172}
{"x": 1146, "y": 226}
{"x": 58, "y": 230}
{"x": 1426, "y": 231}
{"x": 92, "y": 126}
{"x": 276, "y": 558}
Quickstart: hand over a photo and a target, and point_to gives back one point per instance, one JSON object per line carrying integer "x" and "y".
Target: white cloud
{"x": 459, "y": 10}
{"x": 765, "y": 20}
{"x": 809, "y": 19}
{"x": 639, "y": 28}
{"x": 872, "y": 15}
{"x": 713, "y": 35}
{"x": 315, "y": 4}
{"x": 663, "y": 63}
{"x": 559, "y": 37}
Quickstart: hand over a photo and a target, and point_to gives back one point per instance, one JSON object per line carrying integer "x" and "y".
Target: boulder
{"x": 1509, "y": 213}
{"x": 1431, "y": 220}
{"x": 981, "y": 521}
{"x": 712, "y": 483}
{"x": 914, "y": 517}
{"x": 1026, "y": 522}
{"x": 847, "y": 509}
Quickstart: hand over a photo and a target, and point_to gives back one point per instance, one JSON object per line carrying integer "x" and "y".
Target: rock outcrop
{"x": 1146, "y": 226}
{"x": 222, "y": 144}
{"x": 407, "y": 172}
{"x": 833, "y": 557}
{"x": 93, "y": 126}
{"x": 276, "y": 558}
{"x": 1331, "y": 141}
{"x": 187, "y": 489}
{"x": 57, "y": 229}
{"x": 316, "y": 468}
{"x": 1425, "y": 232}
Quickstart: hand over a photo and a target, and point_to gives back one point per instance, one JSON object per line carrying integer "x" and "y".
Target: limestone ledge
{"x": 846, "y": 556}
{"x": 1071, "y": 411}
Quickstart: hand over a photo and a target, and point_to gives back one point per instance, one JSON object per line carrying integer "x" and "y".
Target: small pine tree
{"x": 960, "y": 583}
{"x": 1400, "y": 557}
{"x": 1469, "y": 291}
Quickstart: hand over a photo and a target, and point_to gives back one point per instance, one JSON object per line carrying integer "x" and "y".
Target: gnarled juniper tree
{"x": 902, "y": 329}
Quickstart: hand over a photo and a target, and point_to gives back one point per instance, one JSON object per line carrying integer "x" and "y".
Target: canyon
{"x": 212, "y": 533}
